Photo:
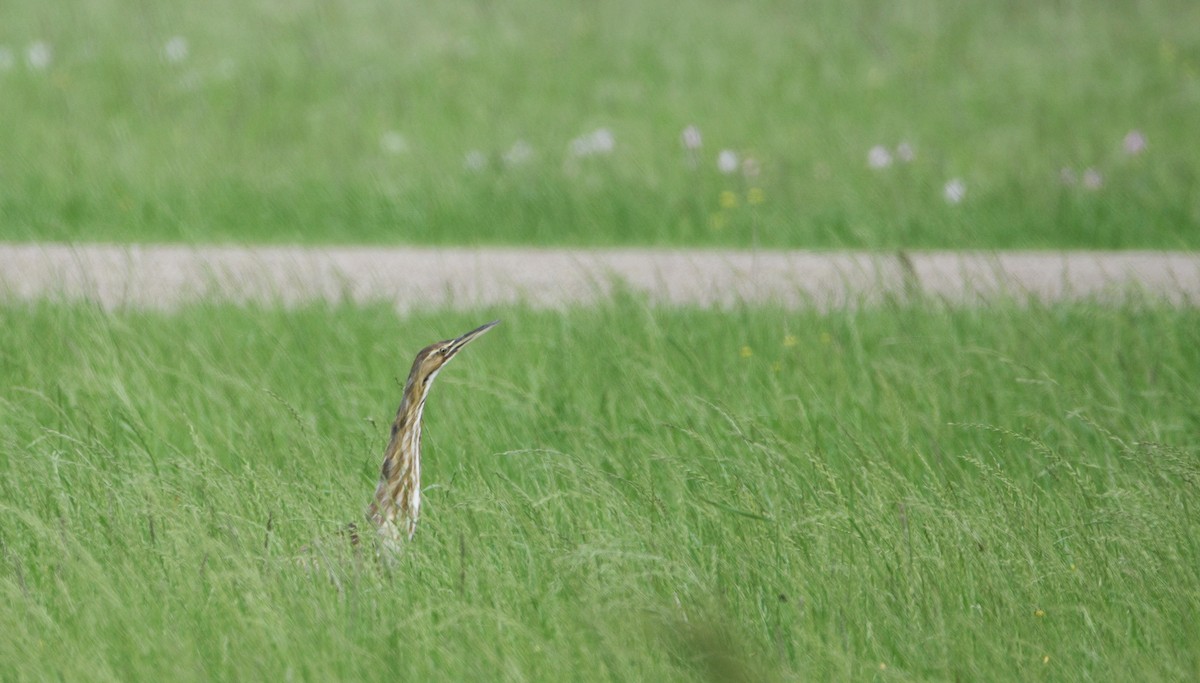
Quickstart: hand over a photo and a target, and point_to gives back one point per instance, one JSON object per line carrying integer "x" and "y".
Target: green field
{"x": 315, "y": 122}
{"x": 615, "y": 493}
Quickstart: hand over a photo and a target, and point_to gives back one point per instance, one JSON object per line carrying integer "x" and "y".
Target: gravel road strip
{"x": 163, "y": 277}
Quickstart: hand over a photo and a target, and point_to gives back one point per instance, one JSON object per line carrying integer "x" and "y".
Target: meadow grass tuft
{"x": 617, "y": 493}
{"x": 1016, "y": 124}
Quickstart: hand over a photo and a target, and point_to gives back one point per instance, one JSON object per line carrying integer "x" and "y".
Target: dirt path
{"x": 166, "y": 276}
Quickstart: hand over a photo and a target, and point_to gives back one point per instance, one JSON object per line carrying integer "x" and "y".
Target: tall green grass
{"x": 625, "y": 493}
{"x": 278, "y": 122}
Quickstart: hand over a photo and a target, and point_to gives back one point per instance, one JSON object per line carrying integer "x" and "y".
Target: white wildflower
{"x": 599, "y": 141}
{"x": 603, "y": 141}
{"x": 955, "y": 191}
{"x": 1092, "y": 180}
{"x": 38, "y": 55}
{"x": 691, "y": 137}
{"x": 520, "y": 153}
{"x": 475, "y": 160}
{"x": 727, "y": 161}
{"x": 1134, "y": 143}
{"x": 176, "y": 49}
{"x": 751, "y": 168}
{"x": 879, "y": 157}
{"x": 393, "y": 142}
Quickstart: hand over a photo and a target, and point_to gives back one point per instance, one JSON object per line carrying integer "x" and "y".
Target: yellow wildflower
{"x": 746, "y": 352}
{"x": 1046, "y": 659}
{"x": 755, "y": 196}
{"x": 1039, "y": 613}
{"x": 728, "y": 200}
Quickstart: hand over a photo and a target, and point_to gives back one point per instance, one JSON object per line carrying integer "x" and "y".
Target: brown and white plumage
{"x": 397, "y": 502}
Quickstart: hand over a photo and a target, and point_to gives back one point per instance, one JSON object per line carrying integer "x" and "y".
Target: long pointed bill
{"x": 459, "y": 343}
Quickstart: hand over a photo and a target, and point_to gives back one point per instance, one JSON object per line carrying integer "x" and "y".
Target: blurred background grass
{"x": 403, "y": 122}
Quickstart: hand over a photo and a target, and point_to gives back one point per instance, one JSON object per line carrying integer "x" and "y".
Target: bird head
{"x": 431, "y": 358}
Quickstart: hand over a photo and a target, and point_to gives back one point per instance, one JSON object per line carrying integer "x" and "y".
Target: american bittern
{"x": 398, "y": 496}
